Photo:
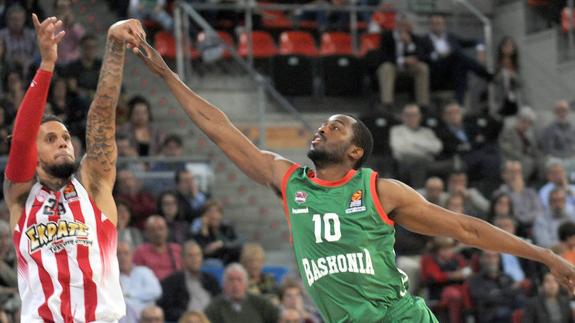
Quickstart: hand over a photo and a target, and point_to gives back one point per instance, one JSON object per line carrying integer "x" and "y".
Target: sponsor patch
{"x": 300, "y": 197}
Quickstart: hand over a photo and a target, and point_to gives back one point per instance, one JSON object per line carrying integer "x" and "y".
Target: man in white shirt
{"x": 413, "y": 146}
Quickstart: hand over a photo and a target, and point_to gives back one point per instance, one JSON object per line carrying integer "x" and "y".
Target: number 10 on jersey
{"x": 329, "y": 220}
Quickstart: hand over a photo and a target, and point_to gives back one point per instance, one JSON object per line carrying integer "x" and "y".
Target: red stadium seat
{"x": 565, "y": 19}
{"x": 335, "y": 43}
{"x": 369, "y": 42}
{"x": 225, "y": 37}
{"x": 275, "y": 19}
{"x": 263, "y": 45}
{"x": 517, "y": 316}
{"x": 165, "y": 44}
{"x": 297, "y": 43}
{"x": 385, "y": 18}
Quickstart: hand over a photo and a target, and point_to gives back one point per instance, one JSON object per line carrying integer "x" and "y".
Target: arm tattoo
{"x": 101, "y": 123}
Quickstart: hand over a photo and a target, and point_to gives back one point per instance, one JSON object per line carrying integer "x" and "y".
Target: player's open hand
{"x": 48, "y": 36}
{"x": 153, "y": 59}
{"x": 565, "y": 273}
{"x": 130, "y": 31}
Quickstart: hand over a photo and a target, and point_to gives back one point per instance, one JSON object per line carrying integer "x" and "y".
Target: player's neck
{"x": 332, "y": 172}
{"x": 54, "y": 183}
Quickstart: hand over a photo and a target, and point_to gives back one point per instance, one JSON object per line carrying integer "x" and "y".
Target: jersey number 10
{"x": 329, "y": 219}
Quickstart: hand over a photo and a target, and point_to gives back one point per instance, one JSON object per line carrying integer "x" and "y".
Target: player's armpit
{"x": 15, "y": 195}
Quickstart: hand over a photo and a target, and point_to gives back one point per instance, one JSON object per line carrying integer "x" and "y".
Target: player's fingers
{"x": 58, "y": 24}
{"x": 59, "y": 36}
{"x": 35, "y": 21}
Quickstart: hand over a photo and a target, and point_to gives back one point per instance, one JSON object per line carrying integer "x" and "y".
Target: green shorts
{"x": 410, "y": 309}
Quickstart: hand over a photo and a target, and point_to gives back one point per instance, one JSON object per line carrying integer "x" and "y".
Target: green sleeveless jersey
{"x": 343, "y": 243}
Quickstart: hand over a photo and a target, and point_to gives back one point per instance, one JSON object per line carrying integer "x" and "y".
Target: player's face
{"x": 331, "y": 142}
{"x": 55, "y": 150}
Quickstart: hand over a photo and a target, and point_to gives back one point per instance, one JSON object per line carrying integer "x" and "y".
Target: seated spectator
{"x": 126, "y": 232}
{"x": 126, "y": 149}
{"x": 474, "y": 202}
{"x": 172, "y": 147}
{"x": 545, "y": 228}
{"x": 168, "y": 208}
{"x": 154, "y": 10}
{"x": 252, "y": 258}
{"x": 469, "y": 143}
{"x": 161, "y": 256}
{"x": 492, "y": 291}
{"x": 82, "y": 74}
{"x": 217, "y": 238}
{"x": 566, "y": 247}
{"x": 455, "y": 203}
{"x": 434, "y": 191}
{"x": 518, "y": 142}
{"x": 550, "y": 305}
{"x": 557, "y": 177}
{"x": 69, "y": 47}
{"x": 193, "y": 317}
{"x": 402, "y": 56}
{"x": 526, "y": 206}
{"x": 414, "y": 147}
{"x": 558, "y": 138}
{"x": 20, "y": 41}
{"x": 139, "y": 284}
{"x": 9, "y": 297}
{"x": 507, "y": 81}
{"x": 4, "y": 66}
{"x": 189, "y": 289}
{"x": 5, "y": 131}
{"x": 152, "y": 314}
{"x": 13, "y": 91}
{"x": 69, "y": 107}
{"x": 129, "y": 189}
{"x": 236, "y": 305}
{"x": 443, "y": 271}
{"x": 290, "y": 316}
{"x": 448, "y": 64}
{"x": 291, "y": 298}
{"x": 190, "y": 198}
{"x": 140, "y": 129}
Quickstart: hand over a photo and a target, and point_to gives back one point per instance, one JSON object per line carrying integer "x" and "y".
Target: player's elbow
{"x": 468, "y": 231}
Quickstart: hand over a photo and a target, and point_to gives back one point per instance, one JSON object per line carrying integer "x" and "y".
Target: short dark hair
{"x": 566, "y": 231}
{"x": 87, "y": 37}
{"x": 51, "y": 117}
{"x": 179, "y": 173}
{"x": 138, "y": 99}
{"x": 363, "y": 139}
{"x": 173, "y": 138}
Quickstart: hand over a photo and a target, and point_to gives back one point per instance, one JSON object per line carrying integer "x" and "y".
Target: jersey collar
{"x": 311, "y": 175}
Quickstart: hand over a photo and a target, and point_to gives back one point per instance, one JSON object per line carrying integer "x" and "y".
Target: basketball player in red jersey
{"x": 64, "y": 225}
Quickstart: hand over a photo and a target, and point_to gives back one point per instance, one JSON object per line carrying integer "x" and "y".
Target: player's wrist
{"x": 47, "y": 65}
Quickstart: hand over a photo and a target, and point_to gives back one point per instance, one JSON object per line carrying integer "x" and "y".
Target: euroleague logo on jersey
{"x": 356, "y": 203}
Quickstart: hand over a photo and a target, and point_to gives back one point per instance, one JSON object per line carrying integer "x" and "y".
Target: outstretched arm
{"x": 263, "y": 167}
{"x": 412, "y": 211}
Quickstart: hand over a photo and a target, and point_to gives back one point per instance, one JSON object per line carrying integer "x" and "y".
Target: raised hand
{"x": 565, "y": 273}
{"x": 130, "y": 31}
{"x": 153, "y": 59}
{"x": 48, "y": 37}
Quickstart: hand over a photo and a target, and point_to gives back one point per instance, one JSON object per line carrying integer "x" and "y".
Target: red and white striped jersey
{"x": 67, "y": 264}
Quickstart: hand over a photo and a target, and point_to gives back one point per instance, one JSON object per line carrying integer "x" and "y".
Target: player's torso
{"x": 343, "y": 245}
{"x": 66, "y": 249}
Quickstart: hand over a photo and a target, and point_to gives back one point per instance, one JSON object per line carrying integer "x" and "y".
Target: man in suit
{"x": 401, "y": 55}
{"x": 448, "y": 64}
{"x": 189, "y": 289}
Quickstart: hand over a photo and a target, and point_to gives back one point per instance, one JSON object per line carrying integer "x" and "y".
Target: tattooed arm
{"x": 98, "y": 169}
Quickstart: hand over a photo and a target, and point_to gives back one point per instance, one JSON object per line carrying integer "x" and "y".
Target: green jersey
{"x": 343, "y": 243}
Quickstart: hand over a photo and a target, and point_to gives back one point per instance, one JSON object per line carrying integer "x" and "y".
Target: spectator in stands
{"x": 193, "y": 317}
{"x": 507, "y": 81}
{"x": 550, "y": 305}
{"x": 140, "y": 128}
{"x": 556, "y": 177}
{"x": 434, "y": 191}
{"x": 82, "y": 74}
{"x": 409, "y": 246}
{"x": 455, "y": 203}
{"x": 5, "y": 131}
{"x": 13, "y": 91}
{"x": 545, "y": 228}
{"x": 189, "y": 289}
{"x": 20, "y": 41}
{"x": 217, "y": 238}
{"x": 191, "y": 199}
{"x": 526, "y": 205}
{"x": 155, "y": 10}
{"x": 236, "y": 305}
{"x": 126, "y": 232}
{"x": 470, "y": 143}
{"x": 443, "y": 271}
{"x": 126, "y": 149}
{"x": 500, "y": 205}
{"x": 558, "y": 138}
{"x": 129, "y": 189}
{"x": 474, "y": 202}
{"x": 566, "y": 247}
{"x": 290, "y": 316}
{"x": 152, "y": 314}
{"x": 69, "y": 48}
{"x": 448, "y": 64}
{"x": 518, "y": 142}
{"x": 291, "y": 297}
{"x": 168, "y": 208}
{"x": 402, "y": 56}
{"x": 69, "y": 107}
{"x": 252, "y": 258}
{"x": 139, "y": 284}
{"x": 172, "y": 147}
{"x": 493, "y": 292}
{"x": 3, "y": 64}
{"x": 161, "y": 256}
{"x": 9, "y": 298}
{"x": 414, "y": 147}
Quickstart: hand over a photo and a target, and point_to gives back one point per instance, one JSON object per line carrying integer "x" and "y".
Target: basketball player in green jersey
{"x": 342, "y": 216}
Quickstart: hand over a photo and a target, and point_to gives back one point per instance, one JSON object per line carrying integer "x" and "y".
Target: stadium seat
{"x": 224, "y": 36}
{"x": 341, "y": 69}
{"x": 263, "y": 45}
{"x": 385, "y": 18}
{"x": 276, "y": 19}
{"x": 165, "y": 44}
{"x": 294, "y": 65}
{"x": 369, "y": 42}
{"x": 517, "y": 316}
{"x": 565, "y": 19}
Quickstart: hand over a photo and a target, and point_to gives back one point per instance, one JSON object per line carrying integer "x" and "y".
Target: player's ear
{"x": 355, "y": 152}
